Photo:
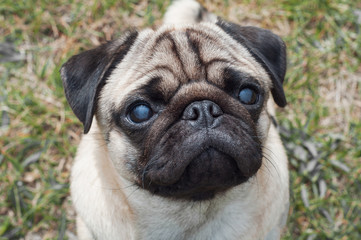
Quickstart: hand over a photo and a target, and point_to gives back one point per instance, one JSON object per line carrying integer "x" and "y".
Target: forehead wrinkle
{"x": 166, "y": 85}
{"x": 230, "y": 50}
{"x": 165, "y": 52}
{"x": 214, "y": 33}
{"x": 159, "y": 69}
{"x": 189, "y": 56}
{"x": 208, "y": 46}
{"x": 156, "y": 65}
{"x": 215, "y": 71}
{"x": 210, "y": 51}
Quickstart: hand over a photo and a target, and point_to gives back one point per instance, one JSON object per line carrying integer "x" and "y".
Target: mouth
{"x": 209, "y": 173}
{"x": 201, "y": 166}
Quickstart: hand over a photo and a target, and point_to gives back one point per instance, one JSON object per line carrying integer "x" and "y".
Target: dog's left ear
{"x": 267, "y": 48}
{"x": 85, "y": 74}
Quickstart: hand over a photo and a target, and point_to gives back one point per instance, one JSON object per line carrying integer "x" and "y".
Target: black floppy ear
{"x": 85, "y": 74}
{"x": 267, "y": 48}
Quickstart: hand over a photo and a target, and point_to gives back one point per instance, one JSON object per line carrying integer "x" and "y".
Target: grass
{"x": 320, "y": 127}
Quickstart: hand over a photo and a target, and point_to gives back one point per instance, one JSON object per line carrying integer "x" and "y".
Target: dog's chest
{"x": 206, "y": 220}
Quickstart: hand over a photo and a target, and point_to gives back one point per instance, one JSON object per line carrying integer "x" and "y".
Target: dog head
{"x": 183, "y": 110}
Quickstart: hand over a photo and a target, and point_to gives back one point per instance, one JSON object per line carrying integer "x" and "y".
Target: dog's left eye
{"x": 248, "y": 96}
{"x": 140, "y": 113}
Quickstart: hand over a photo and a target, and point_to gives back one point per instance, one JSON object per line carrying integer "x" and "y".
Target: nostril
{"x": 215, "y": 110}
{"x": 194, "y": 114}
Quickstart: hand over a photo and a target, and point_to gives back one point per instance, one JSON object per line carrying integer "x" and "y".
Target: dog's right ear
{"x": 85, "y": 74}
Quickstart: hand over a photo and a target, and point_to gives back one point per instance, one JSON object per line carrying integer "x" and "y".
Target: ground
{"x": 320, "y": 126}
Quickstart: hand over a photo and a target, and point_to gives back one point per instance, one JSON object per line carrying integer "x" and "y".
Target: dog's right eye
{"x": 140, "y": 113}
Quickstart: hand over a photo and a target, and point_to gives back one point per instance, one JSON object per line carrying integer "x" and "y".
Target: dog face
{"x": 183, "y": 109}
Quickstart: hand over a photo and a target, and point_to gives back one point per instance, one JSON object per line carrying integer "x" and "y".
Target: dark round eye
{"x": 248, "y": 96}
{"x": 140, "y": 113}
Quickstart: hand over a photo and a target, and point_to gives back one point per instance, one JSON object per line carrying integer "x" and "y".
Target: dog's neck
{"x": 159, "y": 218}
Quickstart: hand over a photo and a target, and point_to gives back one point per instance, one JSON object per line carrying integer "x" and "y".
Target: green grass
{"x": 320, "y": 127}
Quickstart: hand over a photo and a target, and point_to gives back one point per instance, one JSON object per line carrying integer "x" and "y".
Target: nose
{"x": 203, "y": 114}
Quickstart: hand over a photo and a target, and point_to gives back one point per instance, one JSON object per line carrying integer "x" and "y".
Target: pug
{"x": 179, "y": 137}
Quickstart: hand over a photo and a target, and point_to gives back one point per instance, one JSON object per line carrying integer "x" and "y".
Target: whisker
{"x": 136, "y": 189}
{"x": 271, "y": 159}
